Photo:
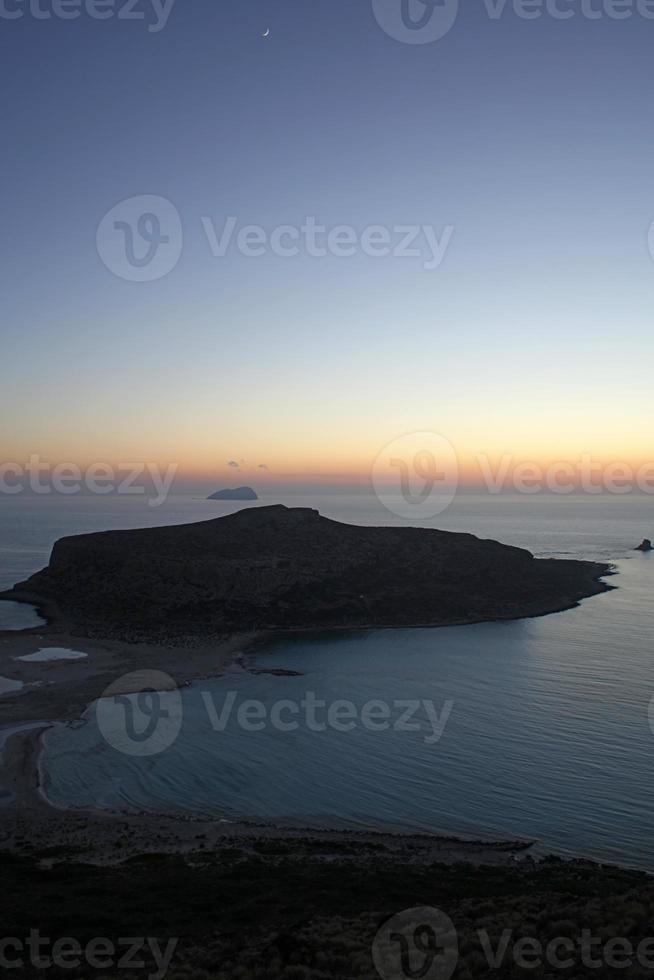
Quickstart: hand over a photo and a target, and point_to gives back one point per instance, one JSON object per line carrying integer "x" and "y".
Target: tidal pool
{"x": 8, "y": 686}
{"x": 45, "y": 654}
{"x": 19, "y": 616}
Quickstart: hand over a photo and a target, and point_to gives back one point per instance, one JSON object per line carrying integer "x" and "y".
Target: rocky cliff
{"x": 280, "y": 568}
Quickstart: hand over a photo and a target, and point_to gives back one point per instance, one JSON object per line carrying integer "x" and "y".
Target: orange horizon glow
{"x": 475, "y": 470}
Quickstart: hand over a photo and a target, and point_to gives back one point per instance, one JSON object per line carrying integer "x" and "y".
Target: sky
{"x": 525, "y": 147}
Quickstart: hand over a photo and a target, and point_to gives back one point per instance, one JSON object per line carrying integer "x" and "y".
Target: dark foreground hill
{"x": 305, "y": 909}
{"x": 280, "y": 568}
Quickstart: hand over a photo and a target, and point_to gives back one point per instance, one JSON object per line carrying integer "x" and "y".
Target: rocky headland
{"x": 276, "y": 568}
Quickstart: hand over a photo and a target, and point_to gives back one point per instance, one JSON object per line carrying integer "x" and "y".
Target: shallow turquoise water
{"x": 19, "y": 616}
{"x": 548, "y": 735}
{"x": 8, "y": 686}
{"x": 51, "y": 654}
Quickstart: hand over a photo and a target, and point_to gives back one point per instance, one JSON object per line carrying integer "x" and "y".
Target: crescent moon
{"x": 266, "y": 33}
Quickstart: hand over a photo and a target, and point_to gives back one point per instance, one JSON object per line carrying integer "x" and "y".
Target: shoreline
{"x": 69, "y": 689}
{"x": 48, "y": 609}
{"x": 63, "y": 690}
{"x": 280, "y": 568}
{"x": 109, "y": 836}
{"x": 92, "y": 830}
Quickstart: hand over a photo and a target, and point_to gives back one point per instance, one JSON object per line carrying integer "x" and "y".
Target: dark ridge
{"x": 268, "y": 568}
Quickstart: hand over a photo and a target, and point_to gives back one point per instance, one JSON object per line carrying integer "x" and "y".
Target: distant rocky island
{"x": 275, "y": 568}
{"x": 237, "y": 493}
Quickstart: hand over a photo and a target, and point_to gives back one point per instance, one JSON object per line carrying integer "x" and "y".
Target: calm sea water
{"x": 548, "y": 734}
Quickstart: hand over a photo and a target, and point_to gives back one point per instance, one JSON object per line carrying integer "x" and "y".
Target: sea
{"x": 538, "y": 729}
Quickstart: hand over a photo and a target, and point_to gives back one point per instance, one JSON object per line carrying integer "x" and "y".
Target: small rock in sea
{"x": 235, "y": 493}
{"x": 645, "y": 545}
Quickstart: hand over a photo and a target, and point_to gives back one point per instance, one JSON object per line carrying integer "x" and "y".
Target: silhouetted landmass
{"x": 237, "y": 493}
{"x": 274, "y": 568}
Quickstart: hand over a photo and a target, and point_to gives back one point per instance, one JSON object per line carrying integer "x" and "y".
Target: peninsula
{"x": 277, "y": 568}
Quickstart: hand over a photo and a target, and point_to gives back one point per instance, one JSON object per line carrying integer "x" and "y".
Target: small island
{"x": 279, "y": 568}
{"x": 235, "y": 493}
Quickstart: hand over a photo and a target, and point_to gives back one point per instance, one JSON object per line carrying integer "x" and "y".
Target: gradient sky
{"x": 534, "y": 139}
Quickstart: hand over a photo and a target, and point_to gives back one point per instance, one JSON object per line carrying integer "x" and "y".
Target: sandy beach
{"x": 60, "y": 692}
{"x": 107, "y": 837}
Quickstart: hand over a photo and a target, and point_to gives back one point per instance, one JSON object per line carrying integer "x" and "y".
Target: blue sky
{"x": 532, "y": 139}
